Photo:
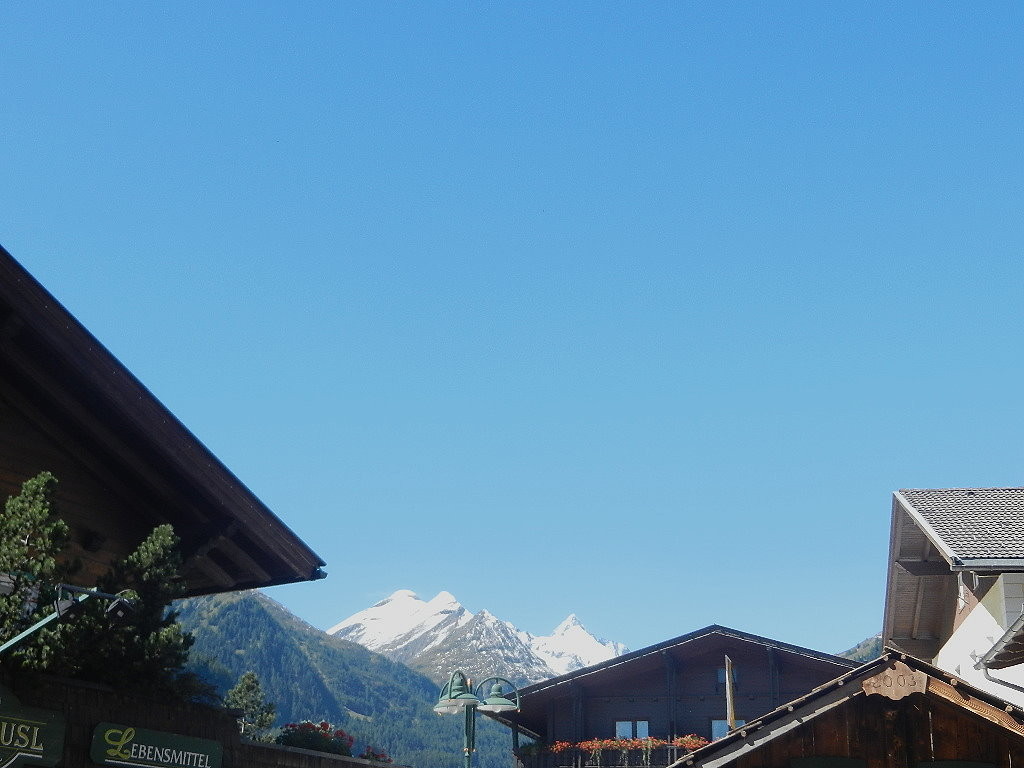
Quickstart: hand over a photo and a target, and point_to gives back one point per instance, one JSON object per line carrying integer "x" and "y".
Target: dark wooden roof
{"x": 757, "y": 733}
{"x": 124, "y": 462}
{"x": 652, "y": 654}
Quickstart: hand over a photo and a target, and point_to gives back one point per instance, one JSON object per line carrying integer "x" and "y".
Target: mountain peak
{"x": 399, "y": 594}
{"x": 441, "y": 635}
{"x": 443, "y": 599}
{"x": 571, "y": 621}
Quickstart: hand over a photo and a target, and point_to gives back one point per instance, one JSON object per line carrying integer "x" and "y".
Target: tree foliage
{"x": 31, "y": 537}
{"x": 148, "y": 652}
{"x": 257, "y": 714}
{"x": 865, "y": 650}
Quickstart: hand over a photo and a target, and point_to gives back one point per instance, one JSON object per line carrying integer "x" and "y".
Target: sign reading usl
{"x": 29, "y": 736}
{"x": 114, "y": 744}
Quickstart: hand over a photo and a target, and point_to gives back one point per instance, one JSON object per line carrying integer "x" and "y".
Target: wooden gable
{"x": 674, "y": 687}
{"x": 896, "y": 712}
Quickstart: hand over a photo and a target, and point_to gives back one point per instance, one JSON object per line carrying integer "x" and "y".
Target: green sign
{"x": 114, "y": 744}
{"x": 29, "y": 736}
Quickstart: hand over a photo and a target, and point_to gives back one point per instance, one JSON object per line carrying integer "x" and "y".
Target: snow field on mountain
{"x": 441, "y": 633}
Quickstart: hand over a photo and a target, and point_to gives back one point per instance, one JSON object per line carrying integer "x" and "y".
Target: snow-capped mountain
{"x": 439, "y": 636}
{"x": 571, "y": 647}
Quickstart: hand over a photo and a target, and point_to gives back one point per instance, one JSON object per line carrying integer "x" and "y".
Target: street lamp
{"x": 67, "y": 606}
{"x": 457, "y": 696}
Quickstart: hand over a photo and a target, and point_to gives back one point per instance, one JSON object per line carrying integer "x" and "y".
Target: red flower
{"x": 690, "y": 742}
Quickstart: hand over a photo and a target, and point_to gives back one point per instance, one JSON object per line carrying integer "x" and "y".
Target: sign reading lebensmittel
{"x": 29, "y": 736}
{"x": 114, "y": 744}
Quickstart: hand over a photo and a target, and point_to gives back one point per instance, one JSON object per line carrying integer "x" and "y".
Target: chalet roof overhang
{"x": 71, "y": 388}
{"x": 894, "y": 674}
{"x": 925, "y": 574}
{"x": 534, "y": 698}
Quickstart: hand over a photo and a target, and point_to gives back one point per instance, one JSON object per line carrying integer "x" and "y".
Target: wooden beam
{"x": 925, "y": 567}
{"x": 217, "y": 575}
{"x": 202, "y": 539}
{"x": 918, "y": 647}
{"x": 983, "y": 709}
{"x": 773, "y": 676}
{"x": 671, "y": 673}
{"x": 578, "y": 711}
{"x": 915, "y": 626}
{"x": 231, "y": 550}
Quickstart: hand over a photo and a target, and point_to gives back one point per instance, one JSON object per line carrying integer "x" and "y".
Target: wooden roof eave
{"x": 92, "y": 380}
{"x": 679, "y": 642}
{"x": 917, "y": 591}
{"x": 513, "y": 724}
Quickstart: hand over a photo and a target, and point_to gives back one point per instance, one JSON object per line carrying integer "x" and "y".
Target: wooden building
{"x": 955, "y": 586}
{"x": 893, "y": 712}
{"x": 671, "y": 689}
{"x": 124, "y": 463}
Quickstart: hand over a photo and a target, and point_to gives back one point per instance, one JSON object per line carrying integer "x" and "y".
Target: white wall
{"x": 979, "y": 631}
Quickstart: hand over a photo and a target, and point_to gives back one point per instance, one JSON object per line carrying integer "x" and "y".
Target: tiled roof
{"x": 974, "y": 523}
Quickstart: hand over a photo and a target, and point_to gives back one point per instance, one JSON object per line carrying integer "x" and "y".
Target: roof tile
{"x": 974, "y": 522}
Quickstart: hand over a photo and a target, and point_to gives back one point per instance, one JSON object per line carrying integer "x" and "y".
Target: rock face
{"x": 439, "y": 636}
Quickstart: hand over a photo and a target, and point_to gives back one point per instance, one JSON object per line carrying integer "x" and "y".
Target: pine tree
{"x": 31, "y": 538}
{"x": 257, "y": 713}
{"x": 148, "y": 652}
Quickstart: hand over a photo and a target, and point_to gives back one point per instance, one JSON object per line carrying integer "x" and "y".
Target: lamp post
{"x": 457, "y": 696}
{"x": 67, "y": 606}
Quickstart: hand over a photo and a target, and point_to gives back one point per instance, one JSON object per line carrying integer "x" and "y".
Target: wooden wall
{"x": 682, "y": 695}
{"x": 914, "y": 731}
{"x": 85, "y": 705}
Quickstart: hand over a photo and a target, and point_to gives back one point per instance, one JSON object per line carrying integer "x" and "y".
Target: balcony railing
{"x": 659, "y": 757}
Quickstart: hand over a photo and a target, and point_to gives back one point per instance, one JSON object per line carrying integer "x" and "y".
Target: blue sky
{"x": 637, "y": 310}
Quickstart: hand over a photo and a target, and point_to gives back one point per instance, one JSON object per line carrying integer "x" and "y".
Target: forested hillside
{"x": 865, "y": 650}
{"x": 309, "y": 674}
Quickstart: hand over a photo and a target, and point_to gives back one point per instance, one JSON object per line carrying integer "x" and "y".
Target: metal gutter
{"x": 999, "y": 564}
{"x": 990, "y": 659}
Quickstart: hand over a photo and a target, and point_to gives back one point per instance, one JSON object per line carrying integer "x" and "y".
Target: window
{"x": 721, "y": 727}
{"x": 631, "y": 729}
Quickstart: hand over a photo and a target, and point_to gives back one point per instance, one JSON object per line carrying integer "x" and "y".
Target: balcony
{"x": 609, "y": 753}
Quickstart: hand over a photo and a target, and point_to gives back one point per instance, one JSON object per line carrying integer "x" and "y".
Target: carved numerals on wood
{"x": 895, "y": 682}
